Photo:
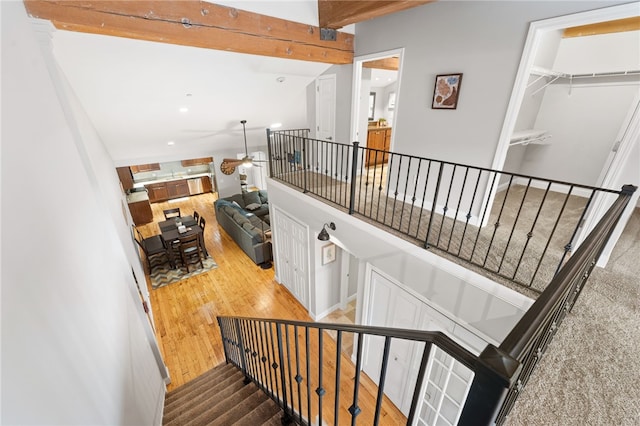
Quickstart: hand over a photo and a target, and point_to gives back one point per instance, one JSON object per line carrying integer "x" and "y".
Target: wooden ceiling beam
{"x": 336, "y": 14}
{"x": 608, "y": 27}
{"x": 196, "y": 23}
{"x": 391, "y": 64}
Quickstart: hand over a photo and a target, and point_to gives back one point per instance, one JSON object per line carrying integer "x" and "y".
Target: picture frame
{"x": 446, "y": 91}
{"x": 328, "y": 253}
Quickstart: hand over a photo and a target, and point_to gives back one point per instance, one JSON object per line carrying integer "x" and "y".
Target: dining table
{"x": 170, "y": 231}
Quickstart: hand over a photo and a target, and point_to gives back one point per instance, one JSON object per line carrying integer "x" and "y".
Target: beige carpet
{"x": 590, "y": 374}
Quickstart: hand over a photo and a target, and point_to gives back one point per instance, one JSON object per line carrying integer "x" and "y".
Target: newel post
{"x": 354, "y": 173}
{"x": 495, "y": 372}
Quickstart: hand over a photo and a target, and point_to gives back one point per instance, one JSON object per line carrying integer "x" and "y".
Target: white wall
{"x": 75, "y": 346}
{"x": 447, "y": 285}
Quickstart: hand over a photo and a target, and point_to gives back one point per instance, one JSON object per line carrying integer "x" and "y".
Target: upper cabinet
{"x": 197, "y": 162}
{"x": 145, "y": 167}
{"x": 126, "y": 179}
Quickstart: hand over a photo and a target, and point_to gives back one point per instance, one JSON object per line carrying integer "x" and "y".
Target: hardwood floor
{"x": 185, "y": 312}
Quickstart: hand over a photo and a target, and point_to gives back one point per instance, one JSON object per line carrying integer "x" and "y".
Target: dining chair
{"x": 153, "y": 247}
{"x": 169, "y": 213}
{"x": 196, "y": 216}
{"x": 202, "y": 223}
{"x": 190, "y": 251}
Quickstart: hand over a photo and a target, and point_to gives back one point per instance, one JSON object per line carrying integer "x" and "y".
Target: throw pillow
{"x": 253, "y": 206}
{"x": 263, "y": 196}
{"x": 251, "y": 198}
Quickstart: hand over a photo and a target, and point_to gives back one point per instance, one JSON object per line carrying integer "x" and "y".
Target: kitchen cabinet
{"x": 145, "y": 167}
{"x": 196, "y": 162}
{"x": 177, "y": 189}
{"x": 157, "y": 192}
{"x": 126, "y": 178}
{"x": 378, "y": 138}
{"x": 141, "y": 212}
{"x": 207, "y": 186}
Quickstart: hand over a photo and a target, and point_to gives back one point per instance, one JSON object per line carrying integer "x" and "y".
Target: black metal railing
{"x": 517, "y": 227}
{"x": 308, "y": 374}
{"x": 287, "y": 359}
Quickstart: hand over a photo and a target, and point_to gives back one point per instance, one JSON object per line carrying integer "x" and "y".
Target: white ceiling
{"x": 133, "y": 90}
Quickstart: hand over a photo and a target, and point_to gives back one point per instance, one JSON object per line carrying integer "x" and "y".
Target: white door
{"x": 291, "y": 256}
{"x": 326, "y": 107}
{"x": 390, "y": 306}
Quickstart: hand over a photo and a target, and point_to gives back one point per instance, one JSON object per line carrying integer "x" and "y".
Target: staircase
{"x": 220, "y": 397}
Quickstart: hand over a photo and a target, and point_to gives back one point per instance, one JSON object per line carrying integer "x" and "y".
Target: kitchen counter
{"x": 168, "y": 179}
{"x": 136, "y": 197}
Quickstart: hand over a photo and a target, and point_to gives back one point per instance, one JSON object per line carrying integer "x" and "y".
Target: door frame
{"x": 535, "y": 35}
{"x": 357, "y": 88}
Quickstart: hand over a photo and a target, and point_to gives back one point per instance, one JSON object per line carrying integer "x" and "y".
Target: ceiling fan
{"x": 228, "y": 165}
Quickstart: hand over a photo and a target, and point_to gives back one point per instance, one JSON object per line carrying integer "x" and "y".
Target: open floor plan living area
{"x": 320, "y": 212}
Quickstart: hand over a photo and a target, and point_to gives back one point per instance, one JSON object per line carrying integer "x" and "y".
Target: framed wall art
{"x": 328, "y": 253}
{"x": 446, "y": 91}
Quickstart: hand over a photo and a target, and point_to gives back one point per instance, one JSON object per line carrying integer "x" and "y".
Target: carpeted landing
{"x": 162, "y": 274}
{"x": 220, "y": 397}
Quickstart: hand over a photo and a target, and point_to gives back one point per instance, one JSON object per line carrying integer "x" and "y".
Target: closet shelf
{"x": 530, "y": 136}
{"x": 553, "y": 76}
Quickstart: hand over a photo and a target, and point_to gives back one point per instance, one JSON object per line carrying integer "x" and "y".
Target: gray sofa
{"x": 247, "y": 221}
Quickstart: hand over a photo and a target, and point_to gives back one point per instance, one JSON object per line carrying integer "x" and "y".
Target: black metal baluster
{"x": 555, "y": 225}
{"x": 567, "y": 247}
{"x": 282, "y": 372}
{"x": 289, "y": 376}
{"x": 515, "y": 222}
{"x": 416, "y": 391}
{"x": 224, "y": 339}
{"x": 530, "y": 233}
{"x": 272, "y": 358}
{"x": 466, "y": 224}
{"x": 353, "y": 172}
{"x": 446, "y": 204}
{"x": 241, "y": 352}
{"x": 320, "y": 391}
{"x": 298, "y": 376}
{"x": 424, "y": 198}
{"x": 354, "y": 410}
{"x": 388, "y": 188}
{"x": 464, "y": 184}
{"x": 497, "y": 224}
{"x": 308, "y": 354}
{"x": 433, "y": 206}
{"x": 383, "y": 376}
{"x": 486, "y": 208}
{"x": 265, "y": 359}
{"x": 413, "y": 197}
{"x": 336, "y": 401}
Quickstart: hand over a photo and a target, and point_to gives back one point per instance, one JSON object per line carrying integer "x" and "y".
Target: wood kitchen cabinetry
{"x": 157, "y": 192}
{"x": 145, "y": 167}
{"x": 141, "y": 212}
{"x": 177, "y": 189}
{"x": 207, "y": 186}
{"x": 126, "y": 178}
{"x": 378, "y": 138}
{"x": 196, "y": 162}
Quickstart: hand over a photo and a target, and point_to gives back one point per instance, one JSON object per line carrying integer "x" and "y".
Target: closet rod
{"x": 542, "y": 72}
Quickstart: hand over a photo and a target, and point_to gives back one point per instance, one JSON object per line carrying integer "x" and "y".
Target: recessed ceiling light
{"x": 184, "y": 109}
{"x": 171, "y": 143}
{"x": 275, "y": 125}
{"x": 280, "y": 79}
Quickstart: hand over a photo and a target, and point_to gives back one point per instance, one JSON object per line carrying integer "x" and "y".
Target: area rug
{"x": 162, "y": 275}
